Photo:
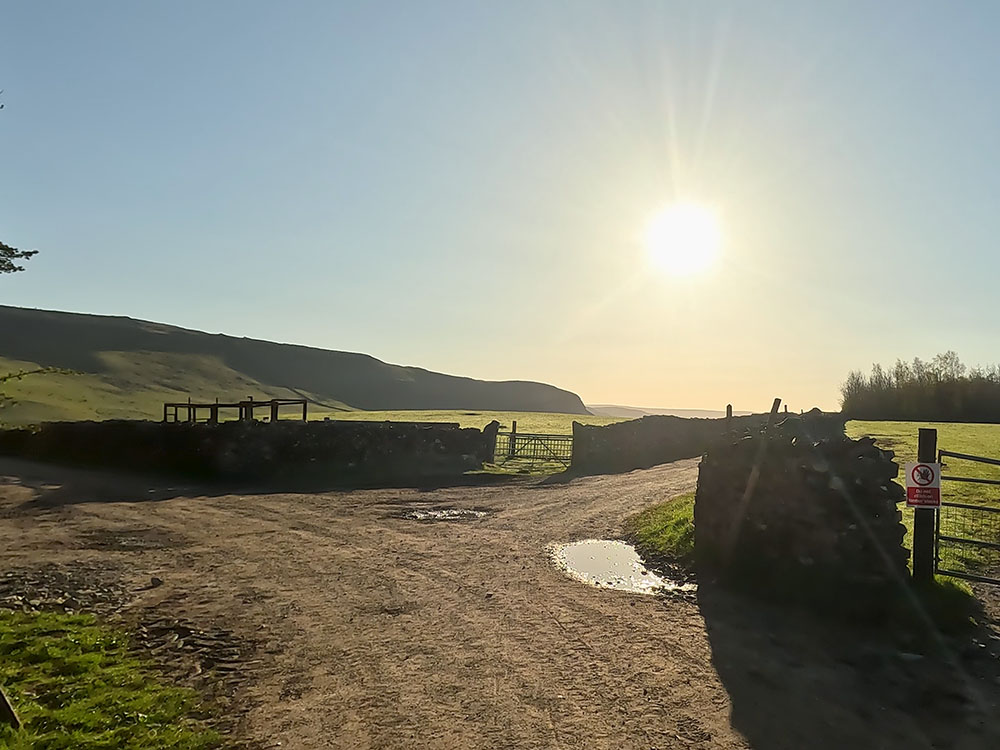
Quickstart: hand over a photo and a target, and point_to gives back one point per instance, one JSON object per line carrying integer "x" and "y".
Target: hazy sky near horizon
{"x": 463, "y": 186}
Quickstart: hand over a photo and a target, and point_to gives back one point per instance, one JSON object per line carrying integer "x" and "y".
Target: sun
{"x": 683, "y": 238}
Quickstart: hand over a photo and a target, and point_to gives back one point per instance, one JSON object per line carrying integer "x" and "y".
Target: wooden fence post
{"x": 729, "y": 418}
{"x": 511, "y": 450}
{"x": 923, "y": 518}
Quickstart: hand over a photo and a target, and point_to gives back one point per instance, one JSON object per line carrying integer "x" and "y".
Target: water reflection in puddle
{"x": 443, "y": 514}
{"x": 612, "y": 564}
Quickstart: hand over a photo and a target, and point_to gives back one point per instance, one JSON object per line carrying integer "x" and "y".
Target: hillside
{"x": 126, "y": 368}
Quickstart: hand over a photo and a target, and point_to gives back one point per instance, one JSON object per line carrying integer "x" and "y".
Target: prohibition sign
{"x": 922, "y": 475}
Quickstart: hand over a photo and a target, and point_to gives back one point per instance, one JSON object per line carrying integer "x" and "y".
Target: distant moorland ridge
{"x": 121, "y": 363}
{"x": 636, "y": 412}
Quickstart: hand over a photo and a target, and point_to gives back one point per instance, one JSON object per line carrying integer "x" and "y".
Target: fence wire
{"x": 969, "y": 540}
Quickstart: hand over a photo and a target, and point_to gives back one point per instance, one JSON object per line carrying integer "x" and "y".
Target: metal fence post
{"x": 923, "y": 518}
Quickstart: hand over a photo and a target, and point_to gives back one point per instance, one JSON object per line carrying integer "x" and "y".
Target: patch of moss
{"x": 74, "y": 686}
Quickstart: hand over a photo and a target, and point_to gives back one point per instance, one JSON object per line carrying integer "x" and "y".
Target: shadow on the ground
{"x": 56, "y": 485}
{"x": 796, "y": 680}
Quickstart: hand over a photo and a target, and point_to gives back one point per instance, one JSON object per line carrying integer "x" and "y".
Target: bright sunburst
{"x": 683, "y": 238}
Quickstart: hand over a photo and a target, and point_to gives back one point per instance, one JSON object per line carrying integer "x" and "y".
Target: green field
{"x": 975, "y": 439}
{"x": 527, "y": 421}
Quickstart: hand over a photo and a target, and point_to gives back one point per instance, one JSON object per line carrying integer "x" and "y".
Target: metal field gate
{"x": 967, "y": 530}
{"x": 521, "y": 447}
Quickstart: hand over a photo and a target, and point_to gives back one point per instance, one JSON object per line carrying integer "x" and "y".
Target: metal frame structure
{"x": 247, "y": 407}
{"x": 977, "y": 522}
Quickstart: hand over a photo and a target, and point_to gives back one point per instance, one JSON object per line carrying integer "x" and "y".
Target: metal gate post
{"x": 923, "y": 518}
{"x": 937, "y": 538}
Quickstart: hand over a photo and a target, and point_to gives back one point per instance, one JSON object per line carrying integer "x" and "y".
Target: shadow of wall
{"x": 798, "y": 681}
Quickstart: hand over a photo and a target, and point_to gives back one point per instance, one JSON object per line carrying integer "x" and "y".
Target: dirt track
{"x": 377, "y": 631}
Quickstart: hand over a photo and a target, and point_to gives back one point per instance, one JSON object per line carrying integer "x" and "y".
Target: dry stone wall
{"x": 370, "y": 452}
{"x": 821, "y": 524}
{"x": 642, "y": 443}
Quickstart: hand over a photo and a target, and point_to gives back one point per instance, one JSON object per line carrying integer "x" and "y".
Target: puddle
{"x": 612, "y": 564}
{"x": 128, "y": 539}
{"x": 443, "y": 514}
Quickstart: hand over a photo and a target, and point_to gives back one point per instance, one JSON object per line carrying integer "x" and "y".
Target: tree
{"x": 9, "y": 257}
{"x": 943, "y": 389}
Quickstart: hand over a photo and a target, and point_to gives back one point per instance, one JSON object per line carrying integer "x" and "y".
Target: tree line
{"x": 940, "y": 390}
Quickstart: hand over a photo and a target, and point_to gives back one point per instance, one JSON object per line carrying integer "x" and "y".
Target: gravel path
{"x": 375, "y": 630}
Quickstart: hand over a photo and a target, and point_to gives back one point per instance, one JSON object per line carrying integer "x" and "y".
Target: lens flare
{"x": 683, "y": 238}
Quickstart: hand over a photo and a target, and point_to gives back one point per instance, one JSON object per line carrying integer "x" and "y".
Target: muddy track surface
{"x": 366, "y": 620}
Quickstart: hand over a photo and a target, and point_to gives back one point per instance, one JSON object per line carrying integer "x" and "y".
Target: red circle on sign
{"x": 922, "y": 478}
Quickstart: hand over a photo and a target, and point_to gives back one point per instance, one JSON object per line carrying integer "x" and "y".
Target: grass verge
{"x": 74, "y": 685}
{"x": 665, "y": 531}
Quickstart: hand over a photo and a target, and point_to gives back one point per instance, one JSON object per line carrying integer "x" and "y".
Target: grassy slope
{"x": 134, "y": 385}
{"x": 74, "y": 686}
{"x": 140, "y": 360}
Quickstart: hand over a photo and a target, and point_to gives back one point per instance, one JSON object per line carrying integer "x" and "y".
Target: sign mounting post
{"x": 923, "y": 494}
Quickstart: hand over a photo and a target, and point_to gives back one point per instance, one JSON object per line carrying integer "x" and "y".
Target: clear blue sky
{"x": 463, "y": 186}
